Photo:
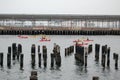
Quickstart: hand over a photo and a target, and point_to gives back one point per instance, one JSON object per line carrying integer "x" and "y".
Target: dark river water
{"x": 69, "y": 70}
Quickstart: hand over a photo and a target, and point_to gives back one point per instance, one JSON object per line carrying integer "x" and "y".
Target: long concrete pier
{"x": 59, "y": 31}
{"x": 18, "y": 24}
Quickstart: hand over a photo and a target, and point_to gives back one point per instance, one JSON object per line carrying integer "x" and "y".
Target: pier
{"x": 18, "y": 24}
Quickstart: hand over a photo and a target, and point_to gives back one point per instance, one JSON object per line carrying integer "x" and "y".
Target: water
{"x": 69, "y": 69}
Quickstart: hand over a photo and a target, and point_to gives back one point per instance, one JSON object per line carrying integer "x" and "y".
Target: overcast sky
{"x": 102, "y": 7}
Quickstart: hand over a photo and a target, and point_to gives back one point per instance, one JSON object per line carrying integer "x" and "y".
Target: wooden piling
{"x": 39, "y": 59}
{"x": 9, "y": 49}
{"x": 108, "y": 57}
{"x": 14, "y": 51}
{"x": 66, "y": 52}
{"x": 1, "y": 59}
{"x": 57, "y": 56}
{"x": 52, "y": 60}
{"x": 114, "y": 55}
{"x": 19, "y": 48}
{"x": 103, "y": 52}
{"x": 33, "y": 59}
{"x": 8, "y": 60}
{"x": 95, "y": 78}
{"x": 104, "y": 60}
{"x": 97, "y": 49}
{"x": 38, "y": 48}
{"x": 85, "y": 59}
{"x": 79, "y": 54}
{"x": 90, "y": 48}
{"x": 33, "y": 75}
{"x": 33, "y": 48}
{"x": 44, "y": 55}
{"x": 21, "y": 60}
{"x": 116, "y": 61}
{"x": 19, "y": 51}
{"x": 58, "y": 60}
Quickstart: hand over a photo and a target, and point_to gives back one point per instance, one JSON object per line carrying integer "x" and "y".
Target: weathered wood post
{"x": 1, "y": 59}
{"x": 85, "y": 60}
{"x": 79, "y": 54}
{"x": 8, "y": 60}
{"x": 103, "y": 52}
{"x": 33, "y": 48}
{"x": 52, "y": 60}
{"x": 116, "y": 61}
{"x": 95, "y": 78}
{"x": 90, "y": 48}
{"x": 33, "y": 59}
{"x": 14, "y": 50}
{"x": 9, "y": 50}
{"x": 86, "y": 53}
{"x": 114, "y": 55}
{"x": 21, "y": 60}
{"x": 97, "y": 49}
{"x": 19, "y": 50}
{"x": 38, "y": 48}
{"x": 39, "y": 59}
{"x": 108, "y": 57}
{"x": 66, "y": 52}
{"x": 44, "y": 55}
{"x": 56, "y": 51}
{"x": 33, "y": 75}
{"x": 104, "y": 60}
{"x": 33, "y": 51}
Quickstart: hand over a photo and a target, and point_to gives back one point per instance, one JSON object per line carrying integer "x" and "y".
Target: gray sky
{"x": 106, "y": 7}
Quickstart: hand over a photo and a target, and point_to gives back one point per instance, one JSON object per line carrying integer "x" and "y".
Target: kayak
{"x": 42, "y": 40}
{"x": 24, "y": 37}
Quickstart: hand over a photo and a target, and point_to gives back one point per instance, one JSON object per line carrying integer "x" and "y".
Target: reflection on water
{"x": 70, "y": 69}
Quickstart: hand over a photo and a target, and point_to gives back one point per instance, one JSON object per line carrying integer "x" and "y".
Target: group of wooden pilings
{"x": 81, "y": 54}
{"x": 69, "y": 50}
{"x": 33, "y": 55}
{"x": 115, "y": 57}
{"x": 55, "y": 56}
{"x": 105, "y": 56}
{"x": 14, "y": 52}
{"x": 33, "y": 75}
{"x": 60, "y": 32}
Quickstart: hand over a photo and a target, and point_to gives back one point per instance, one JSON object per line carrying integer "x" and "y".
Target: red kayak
{"x": 42, "y": 40}
{"x": 24, "y": 37}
